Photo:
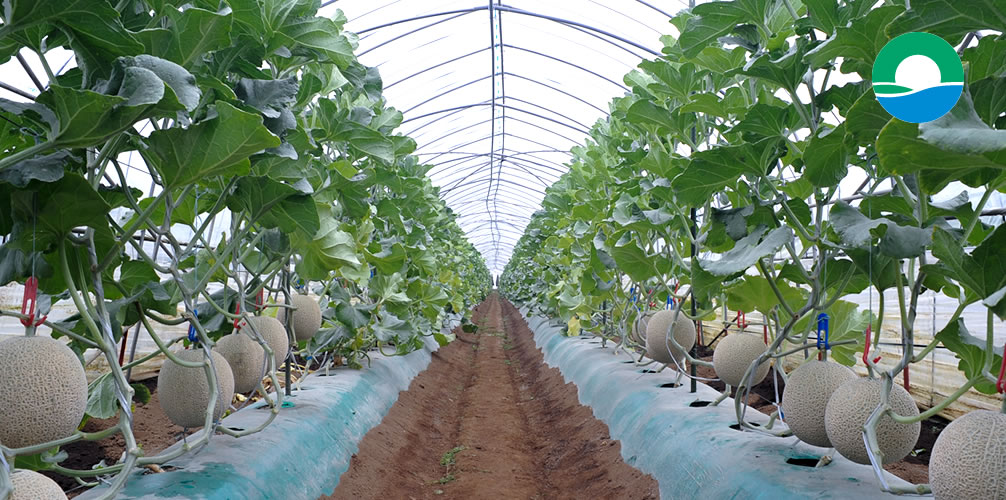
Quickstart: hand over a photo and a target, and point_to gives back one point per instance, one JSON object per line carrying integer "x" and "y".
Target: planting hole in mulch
{"x": 670, "y": 385}
{"x": 804, "y": 462}
{"x": 700, "y": 404}
{"x": 491, "y": 422}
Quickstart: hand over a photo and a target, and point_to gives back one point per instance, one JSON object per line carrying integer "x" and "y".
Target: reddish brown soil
{"x": 515, "y": 428}
{"x": 152, "y": 428}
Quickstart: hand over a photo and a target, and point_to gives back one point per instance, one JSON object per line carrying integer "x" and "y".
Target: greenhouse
{"x": 585, "y": 249}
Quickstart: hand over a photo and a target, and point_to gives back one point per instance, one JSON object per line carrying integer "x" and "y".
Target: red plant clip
{"x": 866, "y": 350}
{"x": 742, "y": 320}
{"x": 1001, "y": 383}
{"x": 260, "y": 300}
{"x": 237, "y": 320}
{"x": 765, "y": 332}
{"x": 30, "y": 295}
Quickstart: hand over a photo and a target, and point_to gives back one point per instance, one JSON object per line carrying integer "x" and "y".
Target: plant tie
{"x": 28, "y": 304}
{"x": 1001, "y": 383}
{"x": 260, "y": 300}
{"x": 822, "y": 340}
{"x": 237, "y": 320}
{"x": 742, "y": 320}
{"x": 866, "y": 350}
{"x": 192, "y": 327}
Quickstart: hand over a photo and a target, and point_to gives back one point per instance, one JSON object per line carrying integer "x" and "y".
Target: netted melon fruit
{"x": 247, "y": 360}
{"x": 43, "y": 391}
{"x": 806, "y": 396}
{"x": 969, "y": 458}
{"x": 656, "y": 337}
{"x": 30, "y": 485}
{"x": 638, "y": 331}
{"x": 184, "y": 392}
{"x": 735, "y": 353}
{"x": 849, "y": 408}
{"x": 306, "y": 320}
{"x": 274, "y": 334}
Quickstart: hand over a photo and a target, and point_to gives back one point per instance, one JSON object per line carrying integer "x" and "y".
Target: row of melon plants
{"x": 280, "y": 218}
{"x": 715, "y": 183}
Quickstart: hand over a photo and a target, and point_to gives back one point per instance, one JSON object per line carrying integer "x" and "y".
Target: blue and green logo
{"x": 918, "y": 77}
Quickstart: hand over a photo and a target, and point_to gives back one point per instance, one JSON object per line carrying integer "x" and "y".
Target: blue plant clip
{"x": 670, "y": 302}
{"x": 192, "y": 328}
{"x": 822, "y": 326}
{"x": 632, "y": 294}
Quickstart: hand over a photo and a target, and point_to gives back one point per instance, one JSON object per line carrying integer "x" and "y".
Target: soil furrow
{"x": 488, "y": 417}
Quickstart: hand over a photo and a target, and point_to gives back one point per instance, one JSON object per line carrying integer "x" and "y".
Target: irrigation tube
{"x": 692, "y": 451}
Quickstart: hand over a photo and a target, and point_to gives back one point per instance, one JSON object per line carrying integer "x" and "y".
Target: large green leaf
{"x": 826, "y": 157}
{"x": 188, "y": 35}
{"x": 217, "y": 146}
{"x": 275, "y": 204}
{"x": 857, "y": 230}
{"x": 632, "y": 259}
{"x": 328, "y": 250}
{"x": 958, "y": 146}
{"x": 94, "y": 20}
{"x": 314, "y": 37}
{"x": 983, "y": 272}
{"x": 748, "y": 251}
{"x": 985, "y": 60}
{"x": 858, "y": 43}
{"x": 950, "y": 19}
{"x": 754, "y": 293}
{"x": 970, "y": 351}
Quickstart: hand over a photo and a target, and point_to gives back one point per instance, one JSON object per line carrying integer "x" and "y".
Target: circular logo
{"x": 918, "y": 77}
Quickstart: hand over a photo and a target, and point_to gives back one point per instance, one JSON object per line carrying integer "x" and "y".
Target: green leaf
{"x": 983, "y": 272}
{"x": 858, "y": 43}
{"x": 633, "y": 260}
{"x": 826, "y": 157}
{"x": 748, "y": 251}
{"x": 951, "y": 20}
{"x": 958, "y": 146}
{"x": 101, "y": 398}
{"x": 985, "y": 60}
{"x": 275, "y": 205}
{"x": 389, "y": 288}
{"x": 316, "y": 36}
{"x": 865, "y": 119}
{"x": 715, "y": 19}
{"x": 217, "y": 146}
{"x": 352, "y": 316}
{"x": 754, "y": 293}
{"x": 786, "y": 71}
{"x": 970, "y": 351}
{"x": 328, "y": 250}
{"x": 989, "y": 97}
{"x": 270, "y": 97}
{"x": 94, "y": 20}
{"x": 858, "y": 230}
{"x": 46, "y": 168}
{"x": 392, "y": 328}
{"x": 186, "y": 37}
{"x": 140, "y": 393}
{"x": 764, "y": 120}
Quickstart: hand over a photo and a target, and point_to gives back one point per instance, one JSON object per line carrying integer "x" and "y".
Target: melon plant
{"x": 306, "y": 320}
{"x": 851, "y": 405}
{"x": 30, "y": 485}
{"x": 805, "y": 398}
{"x": 968, "y": 460}
{"x": 658, "y": 346}
{"x": 226, "y": 218}
{"x": 43, "y": 391}
{"x": 184, "y": 392}
{"x": 733, "y": 356}
{"x": 246, "y": 358}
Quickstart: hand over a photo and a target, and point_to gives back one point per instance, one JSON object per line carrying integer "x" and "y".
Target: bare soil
{"x": 488, "y": 418}
{"x": 152, "y": 428}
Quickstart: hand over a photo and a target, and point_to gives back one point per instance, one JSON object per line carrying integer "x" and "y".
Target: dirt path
{"x": 489, "y": 419}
